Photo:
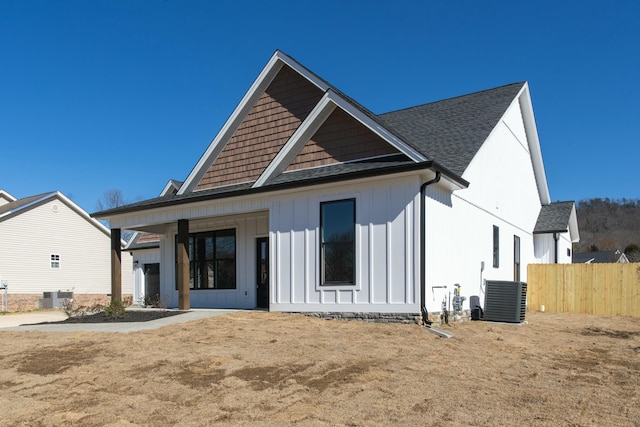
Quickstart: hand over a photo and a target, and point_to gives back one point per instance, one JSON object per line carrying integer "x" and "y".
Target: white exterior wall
{"x": 545, "y": 248}
{"x": 140, "y": 258}
{"x": 459, "y": 227}
{"x": 387, "y": 275}
{"x": 387, "y": 271}
{"x": 28, "y": 240}
{"x": 248, "y": 227}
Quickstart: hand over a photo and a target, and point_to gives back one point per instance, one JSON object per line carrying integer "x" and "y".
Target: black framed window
{"x": 212, "y": 260}
{"x": 516, "y": 258}
{"x": 496, "y": 246}
{"x": 337, "y": 242}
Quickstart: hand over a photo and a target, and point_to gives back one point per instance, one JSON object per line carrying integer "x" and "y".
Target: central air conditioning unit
{"x": 54, "y": 299}
{"x": 505, "y": 301}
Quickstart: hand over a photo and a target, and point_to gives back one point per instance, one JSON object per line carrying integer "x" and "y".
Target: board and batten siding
{"x": 545, "y": 248}
{"x": 459, "y": 225}
{"x": 248, "y": 227}
{"x": 387, "y": 271}
{"x": 140, "y": 258}
{"x": 29, "y": 239}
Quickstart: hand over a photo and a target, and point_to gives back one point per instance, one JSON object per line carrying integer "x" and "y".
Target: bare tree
{"x": 113, "y": 198}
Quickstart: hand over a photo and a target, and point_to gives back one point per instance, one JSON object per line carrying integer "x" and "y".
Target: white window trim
{"x": 54, "y": 261}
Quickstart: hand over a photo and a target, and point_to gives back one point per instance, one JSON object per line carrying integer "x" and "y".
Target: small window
{"x": 568, "y": 252}
{"x": 516, "y": 258}
{"x": 496, "y": 246}
{"x": 55, "y": 260}
{"x": 337, "y": 242}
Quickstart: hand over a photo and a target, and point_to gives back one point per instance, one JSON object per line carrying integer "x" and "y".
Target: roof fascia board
{"x": 526, "y": 106}
{"x": 7, "y": 196}
{"x": 85, "y": 215}
{"x": 297, "y": 141}
{"x": 216, "y": 146}
{"x": 375, "y": 127}
{"x": 302, "y": 70}
{"x": 26, "y": 206}
{"x": 312, "y": 123}
{"x": 264, "y": 79}
{"x": 64, "y": 199}
{"x": 276, "y": 189}
{"x": 136, "y": 235}
{"x": 168, "y": 187}
{"x": 495, "y": 128}
{"x": 132, "y": 241}
{"x": 574, "y": 232}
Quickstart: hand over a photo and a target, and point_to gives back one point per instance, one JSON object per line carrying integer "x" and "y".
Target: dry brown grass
{"x": 257, "y": 368}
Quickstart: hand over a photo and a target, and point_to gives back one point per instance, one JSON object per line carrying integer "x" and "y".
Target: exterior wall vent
{"x": 505, "y": 301}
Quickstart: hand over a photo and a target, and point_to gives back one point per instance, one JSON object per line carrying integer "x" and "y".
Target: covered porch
{"x": 206, "y": 261}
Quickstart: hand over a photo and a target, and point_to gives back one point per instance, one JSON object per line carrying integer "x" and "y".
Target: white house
{"x": 145, "y": 249}
{"x": 306, "y": 201}
{"x": 50, "y": 244}
{"x": 6, "y": 198}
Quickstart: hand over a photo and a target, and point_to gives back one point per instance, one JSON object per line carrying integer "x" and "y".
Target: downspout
{"x": 423, "y": 247}
{"x": 556, "y": 237}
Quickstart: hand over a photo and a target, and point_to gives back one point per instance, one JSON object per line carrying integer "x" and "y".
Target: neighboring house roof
{"x": 633, "y": 256}
{"x": 443, "y": 136}
{"x": 12, "y": 208}
{"x": 20, "y": 206}
{"x": 6, "y": 198}
{"x": 598, "y": 257}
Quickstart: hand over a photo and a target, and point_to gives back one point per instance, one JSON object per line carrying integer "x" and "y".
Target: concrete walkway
{"x": 27, "y": 322}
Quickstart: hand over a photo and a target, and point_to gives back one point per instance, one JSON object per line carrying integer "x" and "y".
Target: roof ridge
{"x": 455, "y": 97}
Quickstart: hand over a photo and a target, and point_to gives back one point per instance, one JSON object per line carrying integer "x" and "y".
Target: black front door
{"x": 262, "y": 268}
{"x": 152, "y": 283}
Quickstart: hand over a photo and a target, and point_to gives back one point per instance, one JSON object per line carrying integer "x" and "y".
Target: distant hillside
{"x": 608, "y": 224}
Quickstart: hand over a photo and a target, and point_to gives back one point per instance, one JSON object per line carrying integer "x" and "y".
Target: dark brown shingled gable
{"x": 270, "y": 123}
{"x": 341, "y": 138}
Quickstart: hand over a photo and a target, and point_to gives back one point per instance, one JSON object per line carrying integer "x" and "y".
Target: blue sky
{"x": 127, "y": 94}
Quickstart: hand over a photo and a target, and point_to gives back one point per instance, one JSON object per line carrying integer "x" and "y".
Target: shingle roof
{"x": 452, "y": 131}
{"x": 597, "y": 257}
{"x": 554, "y": 218}
{"x": 300, "y": 178}
{"x": 338, "y": 169}
{"x": 6, "y": 209}
{"x": 147, "y": 244}
{"x": 448, "y": 133}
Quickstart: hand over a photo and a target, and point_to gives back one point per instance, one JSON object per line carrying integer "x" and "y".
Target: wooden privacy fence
{"x": 608, "y": 289}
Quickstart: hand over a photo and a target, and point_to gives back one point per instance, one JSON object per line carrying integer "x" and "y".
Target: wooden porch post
{"x": 184, "y": 302}
{"x": 116, "y": 265}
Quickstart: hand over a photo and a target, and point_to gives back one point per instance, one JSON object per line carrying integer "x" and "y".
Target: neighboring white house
{"x": 601, "y": 257}
{"x": 306, "y": 201}
{"x": 49, "y": 244}
{"x": 6, "y": 198}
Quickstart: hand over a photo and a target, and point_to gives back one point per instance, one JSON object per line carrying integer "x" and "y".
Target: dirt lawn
{"x": 258, "y": 368}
